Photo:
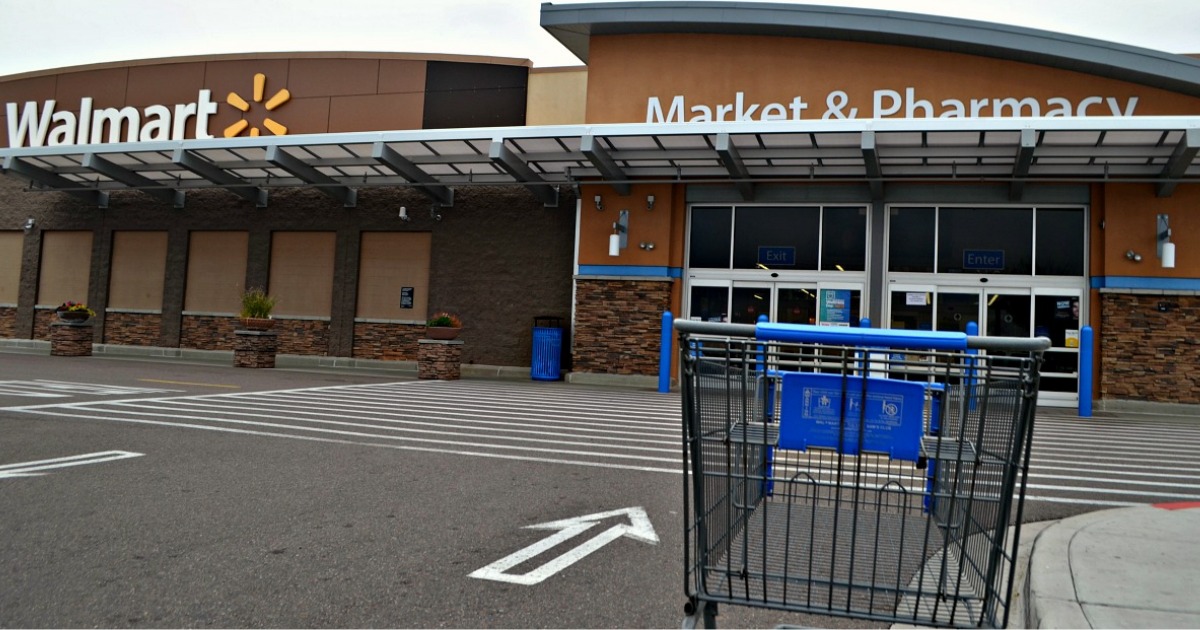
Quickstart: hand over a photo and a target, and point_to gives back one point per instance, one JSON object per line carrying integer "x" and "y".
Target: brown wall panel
{"x": 376, "y": 112}
{"x": 399, "y": 75}
{"x": 65, "y": 267}
{"x": 138, "y": 269}
{"x": 333, "y": 77}
{"x": 166, "y": 84}
{"x": 625, "y": 70}
{"x": 106, "y": 87}
{"x": 216, "y": 271}
{"x": 11, "y": 243}
{"x": 302, "y": 272}
{"x": 390, "y": 261}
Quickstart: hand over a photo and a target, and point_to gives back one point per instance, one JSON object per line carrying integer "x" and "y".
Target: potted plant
{"x": 74, "y": 312}
{"x": 443, "y": 325}
{"x": 256, "y": 309}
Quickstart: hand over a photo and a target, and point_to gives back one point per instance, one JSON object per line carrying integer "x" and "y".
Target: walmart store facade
{"x": 810, "y": 164}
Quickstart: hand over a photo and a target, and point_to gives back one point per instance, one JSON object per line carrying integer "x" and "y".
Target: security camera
{"x": 404, "y": 214}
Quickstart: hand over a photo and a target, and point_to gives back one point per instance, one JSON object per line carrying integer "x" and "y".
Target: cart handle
{"x": 867, "y": 337}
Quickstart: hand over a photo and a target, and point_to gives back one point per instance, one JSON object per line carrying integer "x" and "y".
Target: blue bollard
{"x": 664, "y": 354}
{"x": 1085, "y": 372}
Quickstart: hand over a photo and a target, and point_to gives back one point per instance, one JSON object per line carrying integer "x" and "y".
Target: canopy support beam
{"x": 217, "y": 175}
{"x": 326, "y": 184}
{"x": 733, "y": 163}
{"x": 605, "y": 164}
{"x": 404, "y": 167}
{"x": 132, "y": 179}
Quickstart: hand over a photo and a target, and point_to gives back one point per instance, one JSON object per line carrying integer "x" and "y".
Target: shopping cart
{"x": 854, "y": 472}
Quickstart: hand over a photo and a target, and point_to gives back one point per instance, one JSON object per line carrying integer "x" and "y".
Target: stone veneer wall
{"x": 303, "y": 336}
{"x": 132, "y": 329}
{"x": 8, "y": 322}
{"x": 1147, "y": 353}
{"x": 207, "y": 332}
{"x": 618, "y": 325}
{"x": 386, "y": 342}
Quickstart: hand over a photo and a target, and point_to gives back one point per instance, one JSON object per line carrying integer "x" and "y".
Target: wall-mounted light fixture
{"x": 1134, "y": 256}
{"x": 599, "y": 205}
{"x": 434, "y": 214}
{"x": 28, "y": 227}
{"x": 647, "y": 245}
{"x": 1166, "y": 249}
{"x": 404, "y": 214}
{"x": 619, "y": 239}
{"x": 649, "y": 202}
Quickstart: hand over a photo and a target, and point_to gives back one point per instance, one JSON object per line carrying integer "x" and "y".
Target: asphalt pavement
{"x": 230, "y": 526}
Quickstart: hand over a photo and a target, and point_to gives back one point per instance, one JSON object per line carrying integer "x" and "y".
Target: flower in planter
{"x": 77, "y": 310}
{"x": 442, "y": 319}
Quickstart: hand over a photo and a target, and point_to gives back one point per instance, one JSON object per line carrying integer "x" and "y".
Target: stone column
{"x": 71, "y": 339}
{"x": 255, "y": 348}
{"x": 439, "y": 360}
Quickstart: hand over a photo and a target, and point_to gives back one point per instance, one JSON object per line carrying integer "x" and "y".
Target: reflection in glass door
{"x": 1007, "y": 315}
{"x": 955, "y": 310}
{"x": 796, "y": 306}
{"x": 749, "y": 302}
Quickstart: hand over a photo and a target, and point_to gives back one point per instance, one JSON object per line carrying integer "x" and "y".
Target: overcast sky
{"x": 42, "y": 34}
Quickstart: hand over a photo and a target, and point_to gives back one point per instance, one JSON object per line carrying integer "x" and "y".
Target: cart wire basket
{"x": 863, "y": 473}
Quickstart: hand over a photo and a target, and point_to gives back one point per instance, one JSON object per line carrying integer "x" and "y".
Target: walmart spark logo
{"x": 260, "y": 85}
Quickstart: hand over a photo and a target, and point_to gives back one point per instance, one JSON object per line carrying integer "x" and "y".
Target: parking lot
{"x": 166, "y": 494}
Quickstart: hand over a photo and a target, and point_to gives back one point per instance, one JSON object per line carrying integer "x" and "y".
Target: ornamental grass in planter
{"x": 257, "y": 305}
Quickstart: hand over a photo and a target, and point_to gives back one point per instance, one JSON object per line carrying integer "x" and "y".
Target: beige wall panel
{"x": 65, "y": 268}
{"x": 11, "y": 242}
{"x": 139, "y": 262}
{"x": 390, "y": 261}
{"x": 301, "y": 276}
{"x": 216, "y": 272}
{"x": 557, "y": 97}
{"x": 626, "y": 70}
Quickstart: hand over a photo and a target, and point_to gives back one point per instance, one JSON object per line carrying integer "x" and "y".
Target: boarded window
{"x": 10, "y": 266}
{"x": 302, "y": 273}
{"x": 393, "y": 278}
{"x": 139, "y": 263}
{"x": 216, "y": 272}
{"x": 65, "y": 268}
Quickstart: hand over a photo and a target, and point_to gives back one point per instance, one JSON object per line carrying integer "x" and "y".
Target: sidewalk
{"x": 1136, "y": 567}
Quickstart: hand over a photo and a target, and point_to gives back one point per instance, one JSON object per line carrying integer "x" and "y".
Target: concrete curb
{"x": 1050, "y": 600}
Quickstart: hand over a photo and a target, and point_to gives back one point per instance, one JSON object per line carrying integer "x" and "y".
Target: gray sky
{"x": 41, "y": 34}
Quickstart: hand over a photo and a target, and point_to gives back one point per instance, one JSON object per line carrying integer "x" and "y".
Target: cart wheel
{"x": 708, "y": 619}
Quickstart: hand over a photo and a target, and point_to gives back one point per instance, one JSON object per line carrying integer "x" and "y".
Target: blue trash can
{"x": 547, "y": 348}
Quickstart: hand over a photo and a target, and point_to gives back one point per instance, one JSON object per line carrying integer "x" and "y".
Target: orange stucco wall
{"x": 626, "y": 70}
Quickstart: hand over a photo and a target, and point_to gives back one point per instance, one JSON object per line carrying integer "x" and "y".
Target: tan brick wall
{"x": 132, "y": 329}
{"x": 618, "y": 325}
{"x": 386, "y": 342}
{"x": 1150, "y": 354}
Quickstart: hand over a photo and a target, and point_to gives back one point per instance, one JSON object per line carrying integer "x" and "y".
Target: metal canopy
{"x": 1018, "y": 151}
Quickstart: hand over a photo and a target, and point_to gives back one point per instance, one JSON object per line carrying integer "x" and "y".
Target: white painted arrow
{"x": 638, "y": 528}
{"x": 30, "y": 469}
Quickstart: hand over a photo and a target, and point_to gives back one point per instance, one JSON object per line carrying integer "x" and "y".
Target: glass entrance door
{"x": 743, "y": 302}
